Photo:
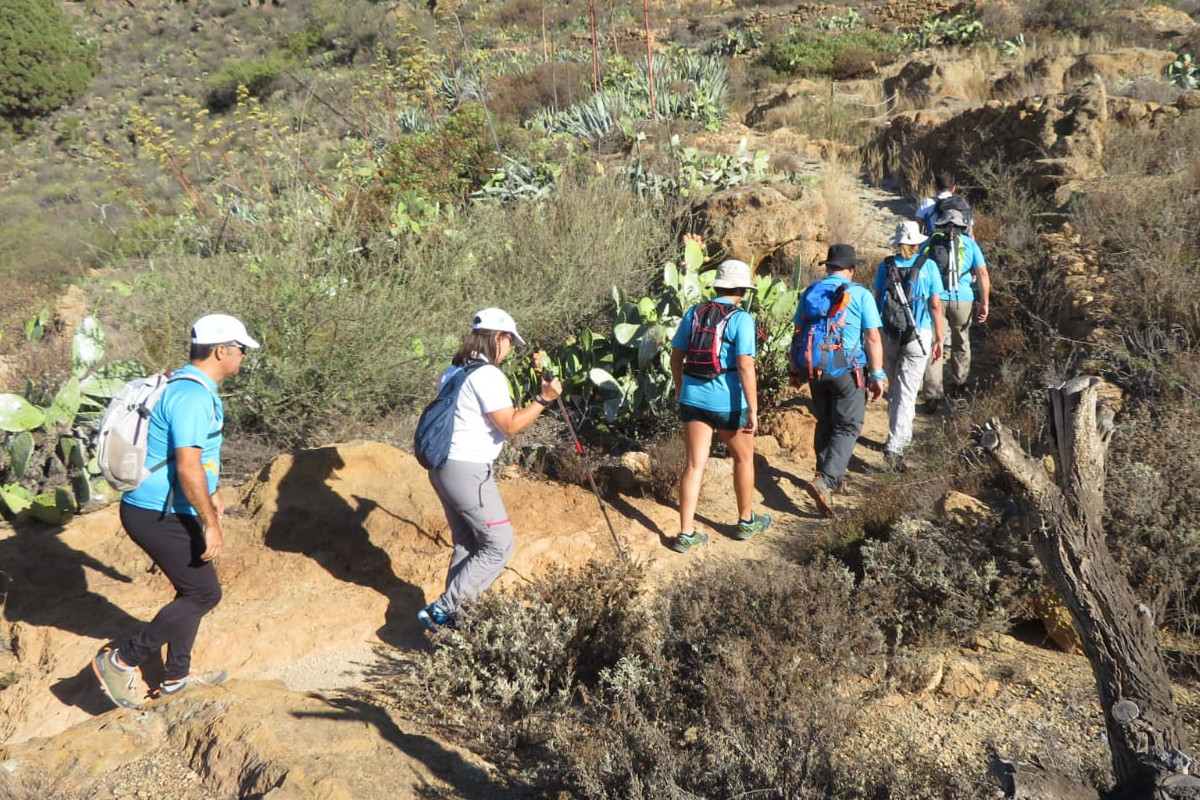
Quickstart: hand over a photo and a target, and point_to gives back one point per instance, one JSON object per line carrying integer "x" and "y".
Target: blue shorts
{"x": 719, "y": 420}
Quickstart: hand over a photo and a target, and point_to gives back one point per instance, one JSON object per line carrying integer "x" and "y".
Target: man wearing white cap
{"x": 175, "y": 513}
{"x": 910, "y": 337}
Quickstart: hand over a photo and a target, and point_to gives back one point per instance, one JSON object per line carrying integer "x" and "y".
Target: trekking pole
{"x": 894, "y": 276}
{"x": 547, "y": 376}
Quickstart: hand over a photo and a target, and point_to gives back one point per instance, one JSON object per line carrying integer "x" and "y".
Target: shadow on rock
{"x": 313, "y": 519}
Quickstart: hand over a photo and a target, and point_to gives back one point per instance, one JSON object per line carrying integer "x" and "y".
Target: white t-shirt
{"x": 475, "y": 438}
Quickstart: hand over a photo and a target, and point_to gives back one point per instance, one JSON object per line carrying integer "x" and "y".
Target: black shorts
{"x": 719, "y": 420}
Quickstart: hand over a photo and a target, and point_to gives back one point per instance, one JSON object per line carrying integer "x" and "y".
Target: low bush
{"x": 258, "y": 75}
{"x": 353, "y": 334}
{"x": 42, "y": 64}
{"x": 809, "y": 52}
{"x": 728, "y": 681}
{"x": 1153, "y": 483}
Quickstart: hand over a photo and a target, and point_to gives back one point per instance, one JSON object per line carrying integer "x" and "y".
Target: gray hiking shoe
{"x": 687, "y": 542}
{"x": 172, "y": 688}
{"x": 748, "y": 529}
{"x": 121, "y": 684}
{"x": 822, "y": 495}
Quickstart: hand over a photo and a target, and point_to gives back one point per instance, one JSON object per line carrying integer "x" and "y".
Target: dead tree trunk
{"x": 1064, "y": 514}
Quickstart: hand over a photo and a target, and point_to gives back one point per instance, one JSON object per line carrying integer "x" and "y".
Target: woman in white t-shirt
{"x": 483, "y": 418}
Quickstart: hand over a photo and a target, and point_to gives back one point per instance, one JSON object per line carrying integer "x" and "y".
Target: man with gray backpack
{"x": 173, "y": 511}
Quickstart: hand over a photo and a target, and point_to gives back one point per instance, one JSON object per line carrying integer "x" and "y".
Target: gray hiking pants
{"x": 479, "y": 526}
{"x": 958, "y": 320}
{"x": 840, "y": 405}
{"x": 905, "y": 366}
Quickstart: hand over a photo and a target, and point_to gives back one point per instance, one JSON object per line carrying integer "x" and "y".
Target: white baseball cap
{"x": 220, "y": 329}
{"x": 733, "y": 274}
{"x": 497, "y": 319}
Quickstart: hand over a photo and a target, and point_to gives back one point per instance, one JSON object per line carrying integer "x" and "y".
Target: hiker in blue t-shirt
{"x": 971, "y": 292}
{"x": 905, "y": 352}
{"x": 175, "y": 513}
{"x": 726, "y": 402}
{"x": 840, "y": 403}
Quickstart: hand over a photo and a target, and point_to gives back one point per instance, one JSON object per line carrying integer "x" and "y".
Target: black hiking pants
{"x": 174, "y": 542}
{"x": 840, "y": 405}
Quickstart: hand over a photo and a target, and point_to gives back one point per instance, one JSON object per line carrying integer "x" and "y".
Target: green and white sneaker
{"x": 687, "y": 542}
{"x": 748, "y": 529}
{"x": 122, "y": 684}
{"x": 172, "y": 688}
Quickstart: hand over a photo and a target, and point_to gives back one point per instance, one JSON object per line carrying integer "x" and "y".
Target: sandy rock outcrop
{"x": 757, "y": 221}
{"x": 251, "y": 738}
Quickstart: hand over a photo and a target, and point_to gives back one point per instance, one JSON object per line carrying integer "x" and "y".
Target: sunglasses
{"x": 238, "y": 345}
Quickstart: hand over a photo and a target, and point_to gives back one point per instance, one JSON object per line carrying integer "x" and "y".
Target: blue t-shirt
{"x": 723, "y": 393}
{"x": 861, "y": 313}
{"x": 188, "y": 414}
{"x": 925, "y": 285}
{"x": 970, "y": 258}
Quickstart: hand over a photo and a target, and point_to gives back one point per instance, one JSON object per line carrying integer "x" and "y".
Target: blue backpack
{"x": 431, "y": 441}
{"x": 817, "y": 350}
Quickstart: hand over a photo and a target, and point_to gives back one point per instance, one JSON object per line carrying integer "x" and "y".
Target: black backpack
{"x": 898, "y": 321}
{"x": 943, "y": 248}
{"x": 431, "y": 441}
{"x": 709, "y": 322}
{"x": 952, "y": 202}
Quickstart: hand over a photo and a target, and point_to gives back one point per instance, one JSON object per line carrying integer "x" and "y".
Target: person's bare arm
{"x": 194, "y": 485}
{"x": 874, "y": 349}
{"x": 677, "y": 358}
{"x": 513, "y": 420}
{"x": 939, "y": 326}
{"x": 985, "y": 293}
{"x": 749, "y": 377}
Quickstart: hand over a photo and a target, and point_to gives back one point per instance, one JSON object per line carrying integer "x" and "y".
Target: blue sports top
{"x": 188, "y": 414}
{"x": 927, "y": 283}
{"x": 861, "y": 313}
{"x": 723, "y": 393}
{"x": 970, "y": 258}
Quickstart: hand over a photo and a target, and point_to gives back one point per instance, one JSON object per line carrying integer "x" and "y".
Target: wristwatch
{"x": 545, "y": 403}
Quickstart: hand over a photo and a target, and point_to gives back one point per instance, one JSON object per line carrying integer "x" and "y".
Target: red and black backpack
{"x": 709, "y": 323}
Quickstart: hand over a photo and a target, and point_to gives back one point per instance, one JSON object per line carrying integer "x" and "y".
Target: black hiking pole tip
{"x": 548, "y": 375}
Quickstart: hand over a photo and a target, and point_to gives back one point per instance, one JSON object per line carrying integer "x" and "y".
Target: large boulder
{"x": 757, "y": 221}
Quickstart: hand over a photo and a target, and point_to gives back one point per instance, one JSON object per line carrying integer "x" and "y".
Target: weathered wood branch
{"x": 1065, "y": 512}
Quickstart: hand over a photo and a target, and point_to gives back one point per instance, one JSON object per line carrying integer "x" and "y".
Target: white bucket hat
{"x": 907, "y": 232}
{"x": 497, "y": 319}
{"x": 733, "y": 274}
{"x": 220, "y": 329}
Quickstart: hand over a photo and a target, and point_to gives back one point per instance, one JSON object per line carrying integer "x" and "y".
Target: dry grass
{"x": 844, "y": 210}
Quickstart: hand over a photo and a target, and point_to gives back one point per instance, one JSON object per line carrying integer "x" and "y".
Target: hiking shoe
{"x": 434, "y": 617}
{"x": 172, "y": 688}
{"x": 894, "y": 462}
{"x": 687, "y": 542}
{"x": 932, "y": 406}
{"x": 119, "y": 683}
{"x": 748, "y": 529}
{"x": 821, "y": 494}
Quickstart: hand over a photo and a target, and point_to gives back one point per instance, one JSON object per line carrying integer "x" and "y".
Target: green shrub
{"x": 42, "y": 65}
{"x": 445, "y": 164}
{"x": 351, "y": 333}
{"x": 258, "y": 75}
{"x": 809, "y": 52}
